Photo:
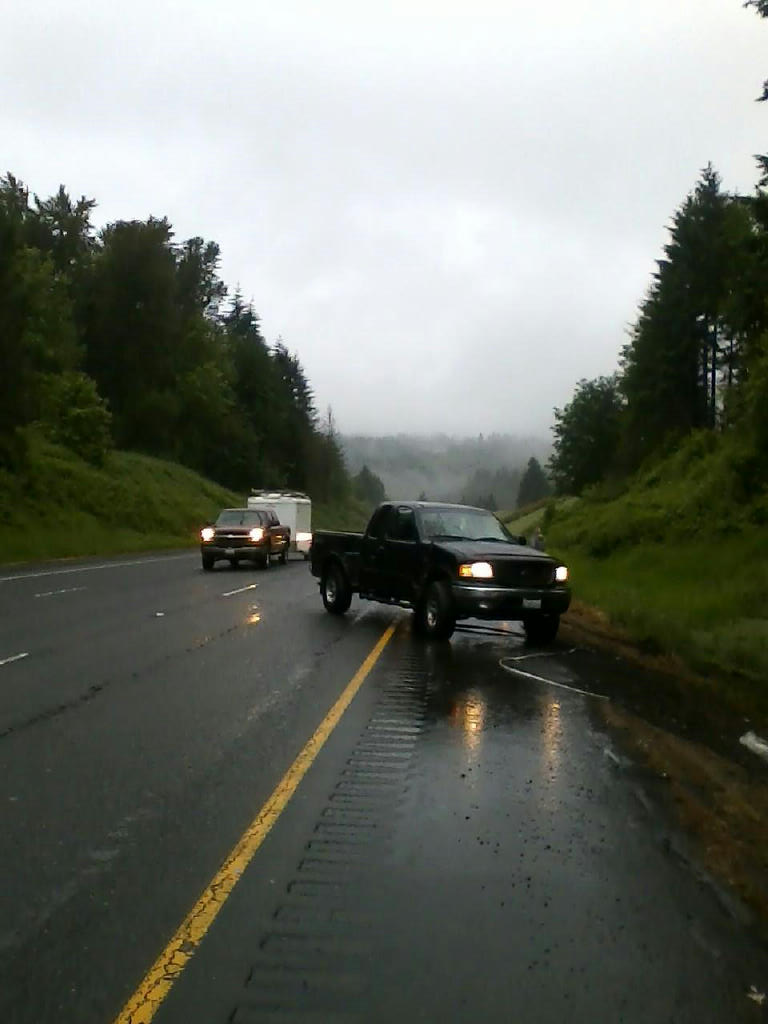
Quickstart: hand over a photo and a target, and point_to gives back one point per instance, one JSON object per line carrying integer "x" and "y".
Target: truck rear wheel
{"x": 336, "y": 591}
{"x": 435, "y": 617}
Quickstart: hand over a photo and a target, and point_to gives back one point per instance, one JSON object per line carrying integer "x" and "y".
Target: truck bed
{"x": 345, "y": 546}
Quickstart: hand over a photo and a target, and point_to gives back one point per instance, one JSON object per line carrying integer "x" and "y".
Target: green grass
{"x": 64, "y": 507}
{"x": 698, "y": 597}
{"x": 346, "y": 514}
{"x": 524, "y": 521}
{"x": 678, "y": 557}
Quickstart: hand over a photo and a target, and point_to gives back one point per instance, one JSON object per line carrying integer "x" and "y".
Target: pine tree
{"x": 534, "y": 484}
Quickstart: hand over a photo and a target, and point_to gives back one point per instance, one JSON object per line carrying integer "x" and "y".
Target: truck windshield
{"x": 239, "y": 517}
{"x": 462, "y": 524}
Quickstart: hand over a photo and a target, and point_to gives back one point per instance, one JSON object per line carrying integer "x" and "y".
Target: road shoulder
{"x": 687, "y": 740}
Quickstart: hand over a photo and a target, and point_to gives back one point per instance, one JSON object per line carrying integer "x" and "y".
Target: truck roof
{"x": 433, "y": 504}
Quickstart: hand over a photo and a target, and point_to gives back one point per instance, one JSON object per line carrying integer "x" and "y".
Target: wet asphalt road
{"x": 468, "y": 844}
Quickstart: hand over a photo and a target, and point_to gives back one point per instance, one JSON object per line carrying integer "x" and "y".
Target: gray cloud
{"x": 450, "y": 211}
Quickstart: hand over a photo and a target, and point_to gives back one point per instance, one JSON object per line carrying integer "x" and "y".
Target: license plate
{"x": 531, "y": 602}
{"x": 229, "y": 551}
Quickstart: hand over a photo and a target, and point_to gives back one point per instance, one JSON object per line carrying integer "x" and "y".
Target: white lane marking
{"x": 539, "y": 654}
{"x": 66, "y": 590}
{"x": 89, "y": 568}
{"x": 15, "y": 657}
{"x": 753, "y": 742}
{"x": 550, "y": 682}
{"x": 240, "y": 590}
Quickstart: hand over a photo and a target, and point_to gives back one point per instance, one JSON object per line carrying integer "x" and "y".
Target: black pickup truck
{"x": 447, "y": 562}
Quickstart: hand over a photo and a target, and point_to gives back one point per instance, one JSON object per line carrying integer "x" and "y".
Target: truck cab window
{"x": 402, "y": 525}
{"x": 377, "y": 525}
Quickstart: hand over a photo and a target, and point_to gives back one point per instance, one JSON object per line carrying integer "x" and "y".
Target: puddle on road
{"x": 663, "y": 699}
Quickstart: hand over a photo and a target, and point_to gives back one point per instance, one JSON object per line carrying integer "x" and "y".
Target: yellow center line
{"x": 157, "y": 983}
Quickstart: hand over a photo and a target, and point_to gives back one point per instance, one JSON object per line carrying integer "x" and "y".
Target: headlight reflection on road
{"x": 254, "y": 616}
{"x": 469, "y": 715}
{"x": 552, "y": 735}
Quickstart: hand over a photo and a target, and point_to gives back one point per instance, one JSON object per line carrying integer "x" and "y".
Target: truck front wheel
{"x": 435, "y": 617}
{"x": 337, "y": 593}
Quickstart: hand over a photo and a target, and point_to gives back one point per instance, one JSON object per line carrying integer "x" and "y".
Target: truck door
{"x": 277, "y": 532}
{"x": 373, "y": 555}
{"x": 403, "y": 553}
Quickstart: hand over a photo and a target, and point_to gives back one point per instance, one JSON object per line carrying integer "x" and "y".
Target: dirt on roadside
{"x": 721, "y": 806}
{"x": 718, "y": 794}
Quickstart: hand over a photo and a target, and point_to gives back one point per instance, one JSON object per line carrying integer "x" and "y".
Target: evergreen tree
{"x": 682, "y": 354}
{"x": 368, "y": 487}
{"x": 184, "y": 375}
{"x": 534, "y": 484}
{"x": 587, "y": 433}
{"x": 132, "y": 332}
{"x": 37, "y": 331}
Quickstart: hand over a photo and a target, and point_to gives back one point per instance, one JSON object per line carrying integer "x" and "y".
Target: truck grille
{"x": 521, "y": 572}
{"x": 232, "y": 540}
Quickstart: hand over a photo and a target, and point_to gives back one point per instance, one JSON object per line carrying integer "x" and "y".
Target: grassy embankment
{"x": 678, "y": 558}
{"x": 63, "y": 507}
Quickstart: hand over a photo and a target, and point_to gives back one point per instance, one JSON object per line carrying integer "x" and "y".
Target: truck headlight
{"x": 561, "y": 573}
{"x": 476, "y": 570}
{"x": 256, "y": 533}
{"x": 207, "y": 533}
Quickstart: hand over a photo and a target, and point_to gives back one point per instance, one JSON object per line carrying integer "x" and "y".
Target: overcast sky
{"x": 450, "y": 210}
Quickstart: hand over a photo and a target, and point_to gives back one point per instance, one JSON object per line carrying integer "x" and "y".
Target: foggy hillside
{"x": 444, "y": 467}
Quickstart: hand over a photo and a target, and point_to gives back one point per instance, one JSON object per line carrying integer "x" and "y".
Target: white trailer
{"x": 293, "y": 509}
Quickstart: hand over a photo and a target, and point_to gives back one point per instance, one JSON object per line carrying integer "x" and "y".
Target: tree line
{"x": 507, "y": 488}
{"x": 127, "y": 337}
{"x": 696, "y": 357}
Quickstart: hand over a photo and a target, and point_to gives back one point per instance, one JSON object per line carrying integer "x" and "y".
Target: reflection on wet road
{"x": 466, "y": 851}
{"x": 466, "y": 846}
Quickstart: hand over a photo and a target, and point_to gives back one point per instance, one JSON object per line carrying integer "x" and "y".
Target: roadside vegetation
{"x": 127, "y": 338}
{"x": 63, "y": 506}
{"x": 131, "y": 369}
{"x": 351, "y": 514}
{"x": 679, "y": 560}
{"x": 668, "y": 457}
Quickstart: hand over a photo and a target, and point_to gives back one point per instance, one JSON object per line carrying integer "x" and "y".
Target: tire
{"x": 541, "y": 629}
{"x": 208, "y": 562}
{"x": 417, "y": 619}
{"x": 336, "y": 591}
{"x": 284, "y": 556}
{"x": 266, "y": 561}
{"x": 435, "y": 616}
